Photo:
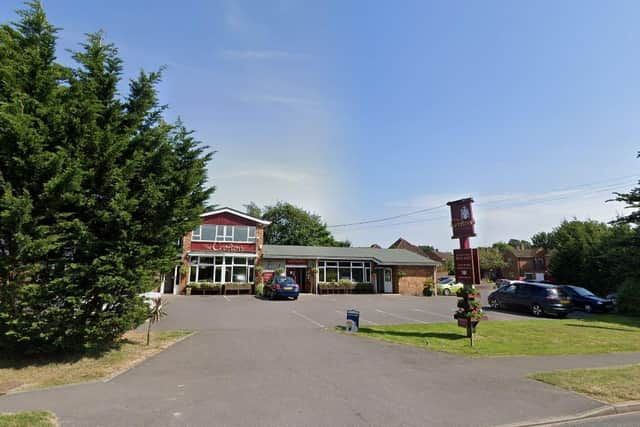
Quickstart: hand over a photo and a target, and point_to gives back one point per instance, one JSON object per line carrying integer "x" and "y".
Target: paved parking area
{"x": 315, "y": 311}
{"x": 254, "y": 362}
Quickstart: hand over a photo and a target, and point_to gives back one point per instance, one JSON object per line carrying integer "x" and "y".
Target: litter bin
{"x": 354, "y": 316}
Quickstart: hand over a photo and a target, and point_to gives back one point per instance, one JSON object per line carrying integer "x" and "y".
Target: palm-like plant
{"x": 156, "y": 312}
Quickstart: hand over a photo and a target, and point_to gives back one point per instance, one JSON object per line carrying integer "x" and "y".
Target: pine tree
{"x": 632, "y": 199}
{"x": 95, "y": 189}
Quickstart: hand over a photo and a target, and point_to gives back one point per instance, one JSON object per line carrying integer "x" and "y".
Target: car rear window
{"x": 557, "y": 292}
{"x": 284, "y": 280}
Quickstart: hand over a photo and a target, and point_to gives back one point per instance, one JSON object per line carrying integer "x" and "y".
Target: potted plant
{"x": 469, "y": 312}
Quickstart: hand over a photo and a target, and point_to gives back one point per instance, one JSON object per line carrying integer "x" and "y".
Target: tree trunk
{"x": 148, "y": 331}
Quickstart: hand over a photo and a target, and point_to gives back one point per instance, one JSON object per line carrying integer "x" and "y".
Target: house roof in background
{"x": 380, "y": 256}
{"x": 405, "y": 244}
{"x": 527, "y": 253}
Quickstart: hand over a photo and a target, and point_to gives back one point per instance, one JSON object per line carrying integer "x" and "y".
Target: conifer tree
{"x": 95, "y": 190}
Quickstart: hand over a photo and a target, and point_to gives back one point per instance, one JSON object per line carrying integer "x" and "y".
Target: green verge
{"x": 593, "y": 335}
{"x": 47, "y": 371}
{"x": 610, "y": 385}
{"x": 28, "y": 419}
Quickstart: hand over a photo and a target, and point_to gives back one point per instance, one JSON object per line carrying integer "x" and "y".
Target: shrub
{"x": 260, "y": 289}
{"x": 345, "y": 284}
{"x": 629, "y": 297}
{"x": 427, "y": 291}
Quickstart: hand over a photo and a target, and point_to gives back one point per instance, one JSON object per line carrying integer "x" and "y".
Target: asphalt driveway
{"x": 274, "y": 363}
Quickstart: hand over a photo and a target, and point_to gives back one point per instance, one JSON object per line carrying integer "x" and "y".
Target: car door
{"x": 523, "y": 296}
{"x": 507, "y": 296}
{"x": 577, "y": 300}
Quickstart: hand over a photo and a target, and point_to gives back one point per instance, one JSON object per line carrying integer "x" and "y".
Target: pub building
{"x": 229, "y": 244}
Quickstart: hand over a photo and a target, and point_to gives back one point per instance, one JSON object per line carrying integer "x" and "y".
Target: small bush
{"x": 427, "y": 291}
{"x": 629, "y": 297}
{"x": 345, "y": 284}
{"x": 260, "y": 289}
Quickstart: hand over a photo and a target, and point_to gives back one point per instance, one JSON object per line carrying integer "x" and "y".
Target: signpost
{"x": 467, "y": 265}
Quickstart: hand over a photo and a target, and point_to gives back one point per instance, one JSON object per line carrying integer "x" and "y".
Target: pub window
{"x": 219, "y": 269}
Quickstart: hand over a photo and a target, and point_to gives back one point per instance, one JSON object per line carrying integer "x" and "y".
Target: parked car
{"x": 281, "y": 287}
{"x": 536, "y": 298}
{"x": 448, "y": 286}
{"x": 503, "y": 282}
{"x": 586, "y": 300}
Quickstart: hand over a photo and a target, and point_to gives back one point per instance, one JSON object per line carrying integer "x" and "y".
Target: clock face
{"x": 464, "y": 213}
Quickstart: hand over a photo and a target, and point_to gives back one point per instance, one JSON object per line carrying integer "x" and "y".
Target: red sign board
{"x": 462, "y": 220}
{"x": 223, "y": 247}
{"x": 467, "y": 264}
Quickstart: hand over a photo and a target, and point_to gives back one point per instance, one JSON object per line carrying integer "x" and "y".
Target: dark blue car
{"x": 584, "y": 299}
{"x": 281, "y": 287}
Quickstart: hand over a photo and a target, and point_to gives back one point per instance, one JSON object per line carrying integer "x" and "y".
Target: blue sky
{"x": 362, "y": 110}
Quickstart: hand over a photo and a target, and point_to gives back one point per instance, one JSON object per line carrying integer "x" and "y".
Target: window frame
{"x": 326, "y": 266}
{"x": 223, "y": 233}
{"x": 226, "y": 270}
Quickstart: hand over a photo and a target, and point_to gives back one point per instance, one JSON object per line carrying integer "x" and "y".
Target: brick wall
{"x": 412, "y": 283}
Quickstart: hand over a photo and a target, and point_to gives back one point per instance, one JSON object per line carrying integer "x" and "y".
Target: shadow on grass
{"x": 599, "y": 327}
{"x": 19, "y": 361}
{"x": 407, "y": 334}
{"x": 614, "y": 319}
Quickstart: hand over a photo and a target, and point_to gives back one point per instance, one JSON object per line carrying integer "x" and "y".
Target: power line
{"x": 505, "y": 203}
{"x": 389, "y": 217}
{"x": 609, "y": 180}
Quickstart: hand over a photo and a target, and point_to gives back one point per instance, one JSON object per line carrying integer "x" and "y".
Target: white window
{"x": 224, "y": 233}
{"x": 196, "y": 233}
{"x": 331, "y": 271}
{"x": 236, "y": 269}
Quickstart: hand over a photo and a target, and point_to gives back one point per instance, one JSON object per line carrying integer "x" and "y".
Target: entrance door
{"x": 388, "y": 282}
{"x": 299, "y": 275}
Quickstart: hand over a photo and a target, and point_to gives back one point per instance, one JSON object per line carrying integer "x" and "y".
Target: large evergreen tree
{"x": 95, "y": 189}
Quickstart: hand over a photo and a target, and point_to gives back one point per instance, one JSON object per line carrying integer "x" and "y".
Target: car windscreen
{"x": 582, "y": 291}
{"x": 445, "y": 280}
{"x": 284, "y": 280}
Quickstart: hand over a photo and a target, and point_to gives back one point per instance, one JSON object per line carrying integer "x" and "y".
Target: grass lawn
{"x": 611, "y": 385}
{"x": 41, "y": 372}
{"x": 596, "y": 334}
{"x": 28, "y": 419}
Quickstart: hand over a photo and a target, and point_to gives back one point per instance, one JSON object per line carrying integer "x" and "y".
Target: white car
{"x": 448, "y": 286}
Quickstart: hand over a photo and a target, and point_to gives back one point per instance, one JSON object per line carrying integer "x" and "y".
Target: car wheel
{"x": 494, "y": 304}
{"x": 446, "y": 292}
{"x": 588, "y": 308}
{"x": 295, "y": 298}
{"x": 536, "y": 310}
